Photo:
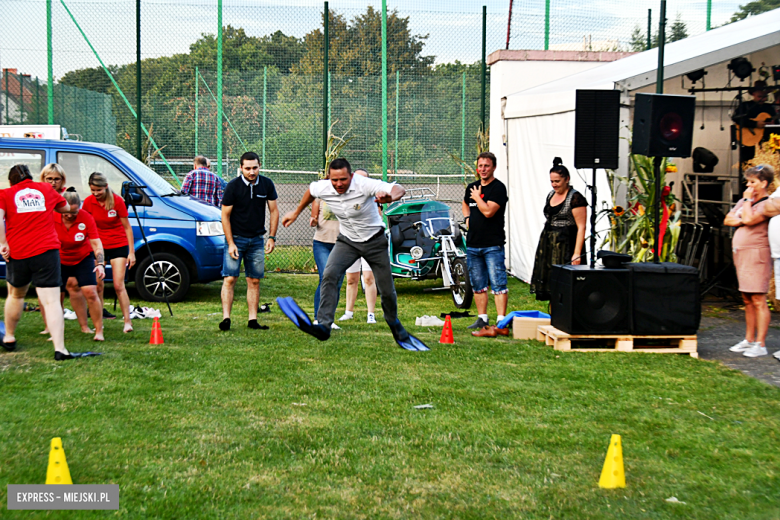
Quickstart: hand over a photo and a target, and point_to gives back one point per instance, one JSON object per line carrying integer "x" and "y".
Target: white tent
{"x": 539, "y": 122}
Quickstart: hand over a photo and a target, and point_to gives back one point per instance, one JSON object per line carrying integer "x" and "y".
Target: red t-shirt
{"x": 75, "y": 245}
{"x": 110, "y": 228}
{"x": 29, "y": 226}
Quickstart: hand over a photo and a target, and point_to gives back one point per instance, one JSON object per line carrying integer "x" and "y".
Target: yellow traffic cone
{"x": 612, "y": 475}
{"x": 58, "y": 472}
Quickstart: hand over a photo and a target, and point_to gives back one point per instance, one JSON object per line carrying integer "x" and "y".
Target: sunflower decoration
{"x": 774, "y": 142}
{"x": 619, "y": 211}
{"x": 671, "y": 168}
{"x": 768, "y": 152}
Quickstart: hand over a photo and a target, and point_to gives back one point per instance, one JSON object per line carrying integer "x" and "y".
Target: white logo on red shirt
{"x": 82, "y": 226}
{"x": 29, "y": 200}
{"x": 112, "y": 213}
{"x": 79, "y": 237}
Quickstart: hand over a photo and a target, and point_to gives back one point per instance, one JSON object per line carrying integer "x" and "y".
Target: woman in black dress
{"x": 563, "y": 237}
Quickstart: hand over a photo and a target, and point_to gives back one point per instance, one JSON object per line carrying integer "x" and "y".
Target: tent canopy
{"x": 716, "y": 46}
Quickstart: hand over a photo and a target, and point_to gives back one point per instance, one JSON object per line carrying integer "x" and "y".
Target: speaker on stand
{"x": 596, "y": 138}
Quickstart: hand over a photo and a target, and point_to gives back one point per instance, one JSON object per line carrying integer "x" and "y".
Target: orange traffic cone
{"x": 157, "y": 337}
{"x": 446, "y": 332}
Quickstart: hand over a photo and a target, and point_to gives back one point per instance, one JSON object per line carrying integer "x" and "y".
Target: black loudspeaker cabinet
{"x": 665, "y": 299}
{"x": 663, "y": 125}
{"x": 597, "y": 129}
{"x": 590, "y": 301}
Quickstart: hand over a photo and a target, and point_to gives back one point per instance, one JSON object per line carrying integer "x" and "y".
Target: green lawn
{"x": 273, "y": 424}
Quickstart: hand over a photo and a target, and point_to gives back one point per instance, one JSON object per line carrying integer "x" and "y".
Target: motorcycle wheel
{"x": 462, "y": 294}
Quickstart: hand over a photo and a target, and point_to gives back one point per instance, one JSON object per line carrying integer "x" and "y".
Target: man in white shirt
{"x": 362, "y": 234}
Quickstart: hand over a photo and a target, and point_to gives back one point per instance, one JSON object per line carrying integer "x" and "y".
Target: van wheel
{"x": 174, "y": 274}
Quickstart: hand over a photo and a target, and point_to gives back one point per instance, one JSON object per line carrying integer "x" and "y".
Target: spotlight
{"x": 741, "y": 68}
{"x": 696, "y": 75}
{"x": 776, "y": 72}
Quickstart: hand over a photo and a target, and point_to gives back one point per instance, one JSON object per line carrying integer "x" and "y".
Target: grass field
{"x": 273, "y": 424}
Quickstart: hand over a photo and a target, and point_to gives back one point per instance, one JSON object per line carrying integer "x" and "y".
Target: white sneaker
{"x": 431, "y": 321}
{"x": 346, "y": 317}
{"x": 742, "y": 346}
{"x": 776, "y": 355}
{"x": 371, "y": 318}
{"x": 68, "y": 314}
{"x": 755, "y": 351}
{"x": 334, "y": 326}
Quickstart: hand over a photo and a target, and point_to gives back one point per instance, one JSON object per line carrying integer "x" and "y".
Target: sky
{"x": 453, "y": 27}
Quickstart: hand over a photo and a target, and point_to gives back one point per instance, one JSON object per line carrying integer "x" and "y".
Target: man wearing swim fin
{"x": 352, "y": 199}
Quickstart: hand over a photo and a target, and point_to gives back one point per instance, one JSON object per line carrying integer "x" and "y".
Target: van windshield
{"x": 150, "y": 177}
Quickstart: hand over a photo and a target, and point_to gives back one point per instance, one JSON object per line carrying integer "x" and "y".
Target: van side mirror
{"x": 133, "y": 195}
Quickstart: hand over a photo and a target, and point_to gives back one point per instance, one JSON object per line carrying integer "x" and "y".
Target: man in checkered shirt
{"x": 203, "y": 184}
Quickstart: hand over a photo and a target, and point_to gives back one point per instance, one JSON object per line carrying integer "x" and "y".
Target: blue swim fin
{"x": 300, "y": 319}
{"x": 405, "y": 340}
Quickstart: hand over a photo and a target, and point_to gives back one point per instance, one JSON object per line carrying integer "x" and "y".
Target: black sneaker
{"x": 107, "y": 315}
{"x": 478, "y": 324}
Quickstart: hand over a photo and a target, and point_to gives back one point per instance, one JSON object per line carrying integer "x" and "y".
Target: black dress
{"x": 557, "y": 242}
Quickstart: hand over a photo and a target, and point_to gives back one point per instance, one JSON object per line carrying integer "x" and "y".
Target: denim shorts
{"x": 251, "y": 251}
{"x": 486, "y": 266}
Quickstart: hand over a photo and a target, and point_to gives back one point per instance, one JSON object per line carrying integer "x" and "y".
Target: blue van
{"x": 184, "y": 234}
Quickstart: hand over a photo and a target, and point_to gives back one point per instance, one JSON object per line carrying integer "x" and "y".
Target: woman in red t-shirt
{"x": 54, "y": 174}
{"x": 29, "y": 244}
{"x": 110, "y": 214}
{"x": 81, "y": 257}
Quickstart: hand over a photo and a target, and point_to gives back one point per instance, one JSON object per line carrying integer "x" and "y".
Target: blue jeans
{"x": 251, "y": 251}
{"x": 487, "y": 266}
{"x": 321, "y": 252}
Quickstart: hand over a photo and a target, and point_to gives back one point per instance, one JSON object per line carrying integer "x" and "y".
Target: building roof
{"x": 719, "y": 45}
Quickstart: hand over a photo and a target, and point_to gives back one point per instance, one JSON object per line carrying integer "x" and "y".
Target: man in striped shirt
{"x": 203, "y": 184}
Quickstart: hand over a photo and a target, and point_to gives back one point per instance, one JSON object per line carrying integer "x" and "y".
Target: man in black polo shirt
{"x": 484, "y": 206}
{"x": 243, "y": 220}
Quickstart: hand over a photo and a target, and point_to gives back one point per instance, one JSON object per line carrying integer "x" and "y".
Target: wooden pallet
{"x": 617, "y": 342}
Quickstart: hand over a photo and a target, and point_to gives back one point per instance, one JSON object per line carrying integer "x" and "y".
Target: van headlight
{"x": 210, "y": 229}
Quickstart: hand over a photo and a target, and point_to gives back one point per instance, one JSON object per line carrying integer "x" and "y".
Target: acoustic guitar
{"x": 753, "y": 136}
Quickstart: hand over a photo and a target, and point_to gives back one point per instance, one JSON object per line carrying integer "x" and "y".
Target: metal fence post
{"x": 265, "y": 100}
{"x": 463, "y": 127}
{"x": 709, "y": 14}
{"x": 649, "y": 29}
{"x": 547, "y": 25}
{"x": 325, "y": 81}
{"x": 197, "y": 88}
{"x": 138, "y": 93}
{"x": 49, "y": 64}
{"x": 384, "y": 90}
{"x": 219, "y": 89}
{"x": 484, "y": 62}
{"x": 397, "y": 93}
{"x": 37, "y": 101}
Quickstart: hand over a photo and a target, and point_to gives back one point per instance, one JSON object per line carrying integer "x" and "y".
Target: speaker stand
{"x": 593, "y": 221}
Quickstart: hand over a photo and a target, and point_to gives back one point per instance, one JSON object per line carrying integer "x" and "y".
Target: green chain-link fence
{"x": 273, "y": 83}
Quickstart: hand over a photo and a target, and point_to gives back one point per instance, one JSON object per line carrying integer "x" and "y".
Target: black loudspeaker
{"x": 663, "y": 125}
{"x": 590, "y": 301}
{"x": 597, "y": 129}
{"x": 665, "y": 299}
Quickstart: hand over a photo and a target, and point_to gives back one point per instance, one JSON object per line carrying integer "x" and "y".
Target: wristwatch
{"x": 271, "y": 237}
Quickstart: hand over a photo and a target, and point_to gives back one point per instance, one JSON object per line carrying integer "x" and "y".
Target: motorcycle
{"x": 425, "y": 243}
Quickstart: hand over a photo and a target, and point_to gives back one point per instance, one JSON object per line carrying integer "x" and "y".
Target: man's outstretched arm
{"x": 291, "y": 216}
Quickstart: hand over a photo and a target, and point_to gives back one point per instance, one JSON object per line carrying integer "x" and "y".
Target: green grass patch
{"x": 274, "y": 424}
